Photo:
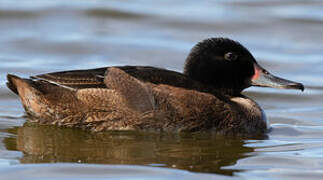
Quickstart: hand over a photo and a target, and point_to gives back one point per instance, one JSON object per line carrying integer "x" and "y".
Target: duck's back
{"x": 94, "y": 78}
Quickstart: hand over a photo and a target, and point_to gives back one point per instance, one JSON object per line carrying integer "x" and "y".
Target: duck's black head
{"x": 226, "y": 64}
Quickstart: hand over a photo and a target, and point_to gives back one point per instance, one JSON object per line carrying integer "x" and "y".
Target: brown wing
{"x": 78, "y": 79}
{"x": 137, "y": 94}
{"x": 94, "y": 78}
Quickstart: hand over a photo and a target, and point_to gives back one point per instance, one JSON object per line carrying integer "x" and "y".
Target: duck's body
{"x": 145, "y": 98}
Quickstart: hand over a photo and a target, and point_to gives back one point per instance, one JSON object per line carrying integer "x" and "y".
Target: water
{"x": 42, "y": 36}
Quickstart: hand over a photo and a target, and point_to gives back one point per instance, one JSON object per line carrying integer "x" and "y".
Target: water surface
{"x": 285, "y": 37}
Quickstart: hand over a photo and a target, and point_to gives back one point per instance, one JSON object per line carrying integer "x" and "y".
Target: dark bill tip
{"x": 263, "y": 78}
{"x": 297, "y": 86}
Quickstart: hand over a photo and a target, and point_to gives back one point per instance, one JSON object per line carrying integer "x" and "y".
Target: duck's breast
{"x": 251, "y": 115}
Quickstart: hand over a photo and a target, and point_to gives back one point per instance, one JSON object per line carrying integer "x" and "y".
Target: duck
{"x": 207, "y": 96}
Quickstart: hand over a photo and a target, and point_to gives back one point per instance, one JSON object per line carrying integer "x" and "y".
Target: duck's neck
{"x": 229, "y": 92}
{"x": 222, "y": 87}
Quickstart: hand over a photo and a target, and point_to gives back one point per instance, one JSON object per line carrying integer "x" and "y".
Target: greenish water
{"x": 44, "y": 36}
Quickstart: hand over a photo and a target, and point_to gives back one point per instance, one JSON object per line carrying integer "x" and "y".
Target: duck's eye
{"x": 230, "y": 56}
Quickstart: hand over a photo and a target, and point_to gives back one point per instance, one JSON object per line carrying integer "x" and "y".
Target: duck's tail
{"x": 20, "y": 86}
{"x": 17, "y": 84}
{"x": 12, "y": 82}
{"x": 27, "y": 91}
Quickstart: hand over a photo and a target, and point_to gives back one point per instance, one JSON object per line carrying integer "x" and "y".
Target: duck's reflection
{"x": 198, "y": 152}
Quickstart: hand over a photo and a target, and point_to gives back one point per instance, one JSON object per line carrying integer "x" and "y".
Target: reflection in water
{"x": 198, "y": 152}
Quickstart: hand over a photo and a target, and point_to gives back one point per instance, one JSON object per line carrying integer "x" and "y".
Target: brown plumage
{"x": 206, "y": 97}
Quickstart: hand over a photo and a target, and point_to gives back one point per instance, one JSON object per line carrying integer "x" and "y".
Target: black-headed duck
{"x": 206, "y": 97}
